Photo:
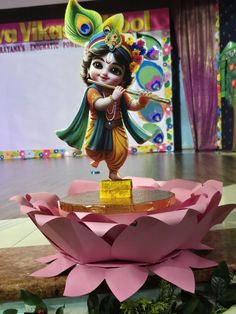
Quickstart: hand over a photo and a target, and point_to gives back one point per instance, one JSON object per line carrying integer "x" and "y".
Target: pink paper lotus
{"x": 123, "y": 249}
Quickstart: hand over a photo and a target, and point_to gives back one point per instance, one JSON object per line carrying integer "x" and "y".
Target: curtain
{"x": 195, "y": 28}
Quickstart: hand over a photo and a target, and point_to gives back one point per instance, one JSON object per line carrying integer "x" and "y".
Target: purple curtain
{"x": 195, "y": 28}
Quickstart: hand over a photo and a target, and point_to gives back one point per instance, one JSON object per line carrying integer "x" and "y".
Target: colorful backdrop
{"x": 41, "y": 88}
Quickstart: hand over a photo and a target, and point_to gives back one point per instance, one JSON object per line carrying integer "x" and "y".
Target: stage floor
{"x": 19, "y": 177}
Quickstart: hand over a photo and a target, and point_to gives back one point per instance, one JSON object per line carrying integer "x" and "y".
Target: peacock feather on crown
{"x": 86, "y": 28}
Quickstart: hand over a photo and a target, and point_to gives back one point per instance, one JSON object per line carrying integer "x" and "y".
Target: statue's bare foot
{"x": 114, "y": 176}
{"x": 94, "y": 164}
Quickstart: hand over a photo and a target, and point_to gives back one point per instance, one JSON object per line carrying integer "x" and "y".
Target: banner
{"x": 34, "y": 32}
{"x": 42, "y": 67}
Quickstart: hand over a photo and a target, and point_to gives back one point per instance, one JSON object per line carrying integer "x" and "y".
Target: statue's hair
{"x": 121, "y": 58}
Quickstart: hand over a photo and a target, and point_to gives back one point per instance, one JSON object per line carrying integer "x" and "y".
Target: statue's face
{"x": 106, "y": 70}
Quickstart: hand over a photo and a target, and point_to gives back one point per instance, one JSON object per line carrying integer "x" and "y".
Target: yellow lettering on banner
{"x": 10, "y": 35}
{"x": 25, "y": 31}
{"x": 56, "y": 31}
{"x": 35, "y": 31}
{"x": 137, "y": 24}
{"x": 126, "y": 27}
{"x": 147, "y": 23}
{"x": 63, "y": 32}
{"x": 43, "y": 32}
{"x": 1, "y": 35}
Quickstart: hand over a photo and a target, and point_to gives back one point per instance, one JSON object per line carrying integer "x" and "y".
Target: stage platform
{"x": 21, "y": 243}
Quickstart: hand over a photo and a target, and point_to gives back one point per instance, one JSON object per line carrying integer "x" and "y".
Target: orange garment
{"x": 115, "y": 158}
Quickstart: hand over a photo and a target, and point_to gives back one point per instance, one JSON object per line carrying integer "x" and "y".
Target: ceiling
{"x": 10, "y": 4}
{"x": 6, "y": 4}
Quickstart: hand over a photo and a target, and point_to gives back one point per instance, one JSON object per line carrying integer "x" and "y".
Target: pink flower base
{"x": 123, "y": 249}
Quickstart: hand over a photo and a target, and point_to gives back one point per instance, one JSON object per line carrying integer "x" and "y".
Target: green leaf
{"x": 167, "y": 40}
{"x": 109, "y": 304}
{"x": 190, "y": 306}
{"x": 128, "y": 307}
{"x": 168, "y": 120}
{"x": 219, "y": 309}
{"x": 231, "y": 310}
{"x": 222, "y": 271}
{"x": 218, "y": 286}
{"x": 32, "y": 299}
{"x": 10, "y": 311}
{"x": 60, "y": 310}
{"x": 185, "y": 296}
{"x": 197, "y": 305}
{"x": 229, "y": 297}
{"x": 93, "y": 303}
{"x": 165, "y": 58}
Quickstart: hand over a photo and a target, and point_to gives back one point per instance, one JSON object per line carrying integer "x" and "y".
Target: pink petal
{"x": 143, "y": 183}
{"x": 47, "y": 259}
{"x": 72, "y": 216}
{"x": 204, "y": 224}
{"x": 213, "y": 203}
{"x": 190, "y": 259}
{"x": 31, "y": 214}
{"x": 43, "y": 219}
{"x": 125, "y": 281}
{"x": 126, "y": 219}
{"x": 199, "y": 203}
{"x": 113, "y": 233}
{"x": 21, "y": 200}
{"x": 99, "y": 228}
{"x": 89, "y": 217}
{"x": 62, "y": 212}
{"x": 150, "y": 240}
{"x": 96, "y": 218}
{"x": 76, "y": 240}
{"x": 181, "y": 194}
{"x": 202, "y": 247}
{"x": 176, "y": 273}
{"x": 192, "y": 200}
{"x": 161, "y": 183}
{"x": 221, "y": 213}
{"x": 81, "y": 186}
{"x": 49, "y": 198}
{"x": 79, "y": 215}
{"x": 115, "y": 264}
{"x": 83, "y": 279}
{"x": 171, "y": 218}
{"x": 181, "y": 184}
{"x": 26, "y": 209}
{"x": 210, "y": 187}
{"x": 44, "y": 207}
{"x": 54, "y": 268}
{"x": 86, "y": 216}
{"x": 217, "y": 184}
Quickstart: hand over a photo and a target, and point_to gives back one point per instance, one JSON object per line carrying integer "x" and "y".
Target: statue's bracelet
{"x": 111, "y": 98}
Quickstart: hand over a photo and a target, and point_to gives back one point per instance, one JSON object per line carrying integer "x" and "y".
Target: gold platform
{"x": 141, "y": 201}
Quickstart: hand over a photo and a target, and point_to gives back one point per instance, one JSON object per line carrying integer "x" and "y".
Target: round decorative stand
{"x": 141, "y": 201}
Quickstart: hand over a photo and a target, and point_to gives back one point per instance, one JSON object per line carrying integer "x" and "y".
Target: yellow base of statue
{"x": 116, "y": 189}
